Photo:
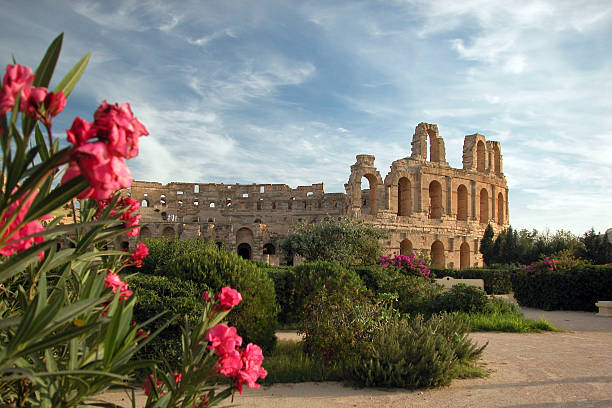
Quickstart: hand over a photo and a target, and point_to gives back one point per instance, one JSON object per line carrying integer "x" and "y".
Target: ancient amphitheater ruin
{"x": 424, "y": 204}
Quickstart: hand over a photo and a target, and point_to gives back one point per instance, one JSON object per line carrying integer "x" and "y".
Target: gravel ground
{"x": 571, "y": 369}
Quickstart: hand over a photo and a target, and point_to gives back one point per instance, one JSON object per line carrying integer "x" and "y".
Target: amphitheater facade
{"x": 425, "y": 205}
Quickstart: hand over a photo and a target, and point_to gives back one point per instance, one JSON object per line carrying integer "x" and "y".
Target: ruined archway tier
{"x": 422, "y": 201}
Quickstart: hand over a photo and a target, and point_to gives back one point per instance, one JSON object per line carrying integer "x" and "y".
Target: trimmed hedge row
{"x": 496, "y": 281}
{"x": 578, "y": 288}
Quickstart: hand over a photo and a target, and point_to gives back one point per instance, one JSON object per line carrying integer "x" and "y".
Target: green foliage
{"x": 203, "y": 264}
{"x": 496, "y": 281}
{"x": 506, "y": 322}
{"x": 577, "y": 288}
{"x": 595, "y": 248}
{"x": 462, "y": 298}
{"x": 348, "y": 241}
{"x": 486, "y": 244}
{"x": 415, "y": 353}
{"x": 158, "y": 294}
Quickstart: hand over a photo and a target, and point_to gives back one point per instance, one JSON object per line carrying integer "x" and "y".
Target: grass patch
{"x": 472, "y": 370}
{"x": 507, "y": 322}
{"x": 289, "y": 364}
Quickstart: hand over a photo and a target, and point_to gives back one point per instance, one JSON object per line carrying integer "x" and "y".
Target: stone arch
{"x": 269, "y": 249}
{"x": 462, "y": 203}
{"x": 480, "y": 156}
{"x": 464, "y": 256}
{"x": 145, "y": 232}
{"x": 484, "y": 206}
{"x": 496, "y": 160}
{"x": 423, "y": 133}
{"x": 406, "y": 247}
{"x": 370, "y": 204}
{"x": 500, "y": 209}
{"x": 169, "y": 232}
{"x": 437, "y": 254}
{"x": 403, "y": 197}
{"x": 244, "y": 250}
{"x": 435, "y": 200}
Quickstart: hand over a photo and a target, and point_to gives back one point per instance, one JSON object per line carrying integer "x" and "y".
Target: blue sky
{"x": 289, "y": 92}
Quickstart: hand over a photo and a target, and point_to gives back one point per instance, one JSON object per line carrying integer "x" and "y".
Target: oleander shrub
{"x": 496, "y": 281}
{"x": 462, "y": 298}
{"x": 415, "y": 353}
{"x": 577, "y": 288}
{"x": 208, "y": 267}
{"x": 176, "y": 297}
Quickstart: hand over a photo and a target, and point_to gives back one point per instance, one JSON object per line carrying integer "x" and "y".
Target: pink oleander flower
{"x": 141, "y": 253}
{"x": 229, "y": 364}
{"x": 80, "y": 132}
{"x": 116, "y": 126}
{"x": 229, "y": 297}
{"x": 223, "y": 339}
{"x": 206, "y": 298}
{"x": 104, "y": 171}
{"x": 147, "y": 386}
{"x": 131, "y": 219}
{"x": 177, "y": 376}
{"x": 32, "y": 99}
{"x": 251, "y": 370}
{"x": 114, "y": 282}
{"x": 17, "y": 241}
{"x": 15, "y": 79}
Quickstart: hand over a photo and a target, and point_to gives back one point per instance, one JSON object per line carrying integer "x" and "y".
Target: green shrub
{"x": 462, "y": 298}
{"x": 415, "y": 353}
{"x": 282, "y": 278}
{"x": 577, "y": 288}
{"x": 496, "y": 281}
{"x": 210, "y": 268}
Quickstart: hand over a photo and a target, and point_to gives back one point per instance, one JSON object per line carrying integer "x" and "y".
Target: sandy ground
{"x": 572, "y": 369}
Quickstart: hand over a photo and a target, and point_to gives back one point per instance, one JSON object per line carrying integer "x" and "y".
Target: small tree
{"x": 348, "y": 241}
{"x": 595, "y": 248}
{"x": 486, "y": 245}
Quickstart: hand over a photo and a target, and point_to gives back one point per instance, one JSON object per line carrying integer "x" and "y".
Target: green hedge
{"x": 210, "y": 268}
{"x": 578, "y": 288}
{"x": 496, "y": 281}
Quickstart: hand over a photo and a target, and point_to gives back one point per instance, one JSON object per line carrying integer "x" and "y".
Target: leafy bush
{"x": 202, "y": 263}
{"x": 349, "y": 241}
{"x": 496, "y": 281}
{"x": 157, "y": 294}
{"x": 462, "y": 298}
{"x": 415, "y": 353}
{"x": 577, "y": 288}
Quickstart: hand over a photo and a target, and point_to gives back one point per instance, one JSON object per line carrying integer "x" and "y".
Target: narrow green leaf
{"x": 41, "y": 143}
{"x": 18, "y": 262}
{"x": 59, "y": 196}
{"x": 58, "y": 338}
{"x": 44, "y": 72}
{"x": 72, "y": 77}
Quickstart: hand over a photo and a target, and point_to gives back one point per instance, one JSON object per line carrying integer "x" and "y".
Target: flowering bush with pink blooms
{"x": 409, "y": 264}
{"x": 67, "y": 331}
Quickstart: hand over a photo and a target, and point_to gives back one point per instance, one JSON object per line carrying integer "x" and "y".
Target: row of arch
{"x": 404, "y": 201}
{"x": 438, "y": 258}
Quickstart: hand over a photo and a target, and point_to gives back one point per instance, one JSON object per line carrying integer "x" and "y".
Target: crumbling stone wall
{"x": 424, "y": 204}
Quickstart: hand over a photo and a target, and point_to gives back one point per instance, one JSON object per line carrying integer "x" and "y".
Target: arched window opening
{"x": 244, "y": 250}
{"x": 437, "y": 255}
{"x": 274, "y": 205}
{"x": 368, "y": 196}
{"x": 484, "y": 206}
{"x": 162, "y": 202}
{"x": 196, "y": 189}
{"x": 462, "y": 203}
{"x": 257, "y": 221}
{"x": 168, "y": 232}
{"x": 268, "y": 249}
{"x": 405, "y": 247}
{"x": 145, "y": 233}
{"x": 403, "y": 197}
{"x": 497, "y": 160}
{"x": 480, "y": 156}
{"x": 212, "y": 205}
{"x": 180, "y": 203}
{"x": 164, "y": 216}
{"x": 211, "y": 220}
{"x": 144, "y": 203}
{"x": 435, "y": 200}
{"x": 500, "y": 209}
{"x": 464, "y": 256}
{"x": 125, "y": 246}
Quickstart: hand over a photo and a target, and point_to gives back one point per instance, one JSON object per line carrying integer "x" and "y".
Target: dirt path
{"x": 571, "y": 369}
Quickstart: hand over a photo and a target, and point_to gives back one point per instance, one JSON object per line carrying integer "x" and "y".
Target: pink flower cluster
{"x": 36, "y": 102}
{"x": 148, "y": 387}
{"x": 543, "y": 264}
{"x": 114, "y": 282}
{"x": 17, "y": 241}
{"x": 242, "y": 365}
{"x": 411, "y": 264}
{"x": 228, "y": 298}
{"x": 141, "y": 253}
{"x": 102, "y": 162}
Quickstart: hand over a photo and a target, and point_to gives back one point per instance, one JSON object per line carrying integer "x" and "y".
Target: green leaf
{"x": 72, "y": 77}
{"x": 18, "y": 262}
{"x": 59, "y": 196}
{"x": 41, "y": 143}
